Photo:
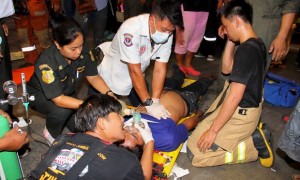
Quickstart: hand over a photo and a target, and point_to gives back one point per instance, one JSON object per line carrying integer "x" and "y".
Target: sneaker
{"x": 261, "y": 139}
{"x": 48, "y": 137}
{"x": 210, "y": 58}
{"x": 190, "y": 70}
{"x": 198, "y": 55}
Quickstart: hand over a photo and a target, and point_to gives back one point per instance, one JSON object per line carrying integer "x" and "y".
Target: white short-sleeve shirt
{"x": 131, "y": 44}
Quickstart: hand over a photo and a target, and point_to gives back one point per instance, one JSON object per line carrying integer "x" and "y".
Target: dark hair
{"x": 94, "y": 107}
{"x": 237, "y": 8}
{"x": 170, "y": 9}
{"x": 64, "y": 30}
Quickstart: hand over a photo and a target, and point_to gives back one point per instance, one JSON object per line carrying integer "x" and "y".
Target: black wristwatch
{"x": 148, "y": 102}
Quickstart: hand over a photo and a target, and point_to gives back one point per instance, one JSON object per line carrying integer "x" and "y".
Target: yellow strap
{"x": 241, "y": 152}
{"x": 228, "y": 157}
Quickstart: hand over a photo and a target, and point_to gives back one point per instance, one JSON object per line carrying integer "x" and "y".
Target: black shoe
{"x": 261, "y": 139}
{"x": 266, "y": 129}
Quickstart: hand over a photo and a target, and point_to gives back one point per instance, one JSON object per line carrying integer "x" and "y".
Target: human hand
{"x": 4, "y": 114}
{"x": 56, "y": 5}
{"x": 145, "y": 131}
{"x": 206, "y": 140}
{"x": 14, "y": 139}
{"x": 141, "y": 109}
{"x": 278, "y": 48}
{"x": 220, "y": 4}
{"x": 157, "y": 110}
{"x": 5, "y": 29}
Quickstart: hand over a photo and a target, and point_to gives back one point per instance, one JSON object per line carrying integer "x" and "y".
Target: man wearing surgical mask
{"x": 141, "y": 39}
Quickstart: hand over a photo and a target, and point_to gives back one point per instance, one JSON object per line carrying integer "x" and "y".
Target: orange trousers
{"x": 33, "y": 30}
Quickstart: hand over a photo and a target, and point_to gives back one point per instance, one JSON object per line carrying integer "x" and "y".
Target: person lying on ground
{"x": 180, "y": 102}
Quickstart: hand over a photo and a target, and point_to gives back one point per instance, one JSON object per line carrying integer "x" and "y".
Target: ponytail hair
{"x": 64, "y": 30}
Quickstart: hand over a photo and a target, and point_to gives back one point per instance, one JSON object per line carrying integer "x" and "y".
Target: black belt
{"x": 243, "y": 111}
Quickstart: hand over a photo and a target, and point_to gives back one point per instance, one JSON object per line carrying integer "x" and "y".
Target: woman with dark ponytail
{"x": 57, "y": 73}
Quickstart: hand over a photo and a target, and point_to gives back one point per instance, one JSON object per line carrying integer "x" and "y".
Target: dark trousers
{"x": 190, "y": 93}
{"x": 199, "y": 87}
{"x": 5, "y": 70}
{"x": 56, "y": 117}
{"x": 134, "y": 8}
{"x": 69, "y": 8}
{"x": 112, "y": 24}
{"x": 97, "y": 20}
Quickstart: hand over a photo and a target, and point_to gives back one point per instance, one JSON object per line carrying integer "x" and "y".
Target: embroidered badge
{"x": 47, "y": 76}
{"x": 142, "y": 49}
{"x": 128, "y": 39}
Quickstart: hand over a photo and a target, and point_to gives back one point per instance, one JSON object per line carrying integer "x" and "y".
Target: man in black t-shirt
{"x": 91, "y": 153}
{"x": 230, "y": 134}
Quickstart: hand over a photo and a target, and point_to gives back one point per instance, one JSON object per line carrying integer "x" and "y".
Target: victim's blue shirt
{"x": 166, "y": 134}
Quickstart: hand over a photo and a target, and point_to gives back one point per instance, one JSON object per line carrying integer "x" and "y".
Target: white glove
{"x": 129, "y": 122}
{"x": 157, "y": 110}
{"x": 145, "y": 132}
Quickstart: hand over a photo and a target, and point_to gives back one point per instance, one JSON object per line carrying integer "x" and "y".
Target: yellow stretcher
{"x": 168, "y": 159}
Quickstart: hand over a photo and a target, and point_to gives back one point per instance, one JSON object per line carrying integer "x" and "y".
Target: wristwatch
{"x": 148, "y": 102}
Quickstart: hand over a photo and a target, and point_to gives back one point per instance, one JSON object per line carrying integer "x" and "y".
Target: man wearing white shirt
{"x": 141, "y": 39}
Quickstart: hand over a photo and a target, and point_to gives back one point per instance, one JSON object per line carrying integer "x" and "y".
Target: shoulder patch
{"x": 128, "y": 39}
{"x": 92, "y": 56}
{"x": 47, "y": 76}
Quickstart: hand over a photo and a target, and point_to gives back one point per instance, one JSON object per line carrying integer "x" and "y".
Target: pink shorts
{"x": 194, "y": 29}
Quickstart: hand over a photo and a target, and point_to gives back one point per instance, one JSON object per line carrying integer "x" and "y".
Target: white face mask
{"x": 159, "y": 37}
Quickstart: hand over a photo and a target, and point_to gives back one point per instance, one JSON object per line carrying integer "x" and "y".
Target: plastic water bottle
{"x": 137, "y": 119}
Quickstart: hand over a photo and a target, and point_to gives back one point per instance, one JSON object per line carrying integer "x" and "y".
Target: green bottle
{"x": 137, "y": 119}
{"x": 10, "y": 168}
